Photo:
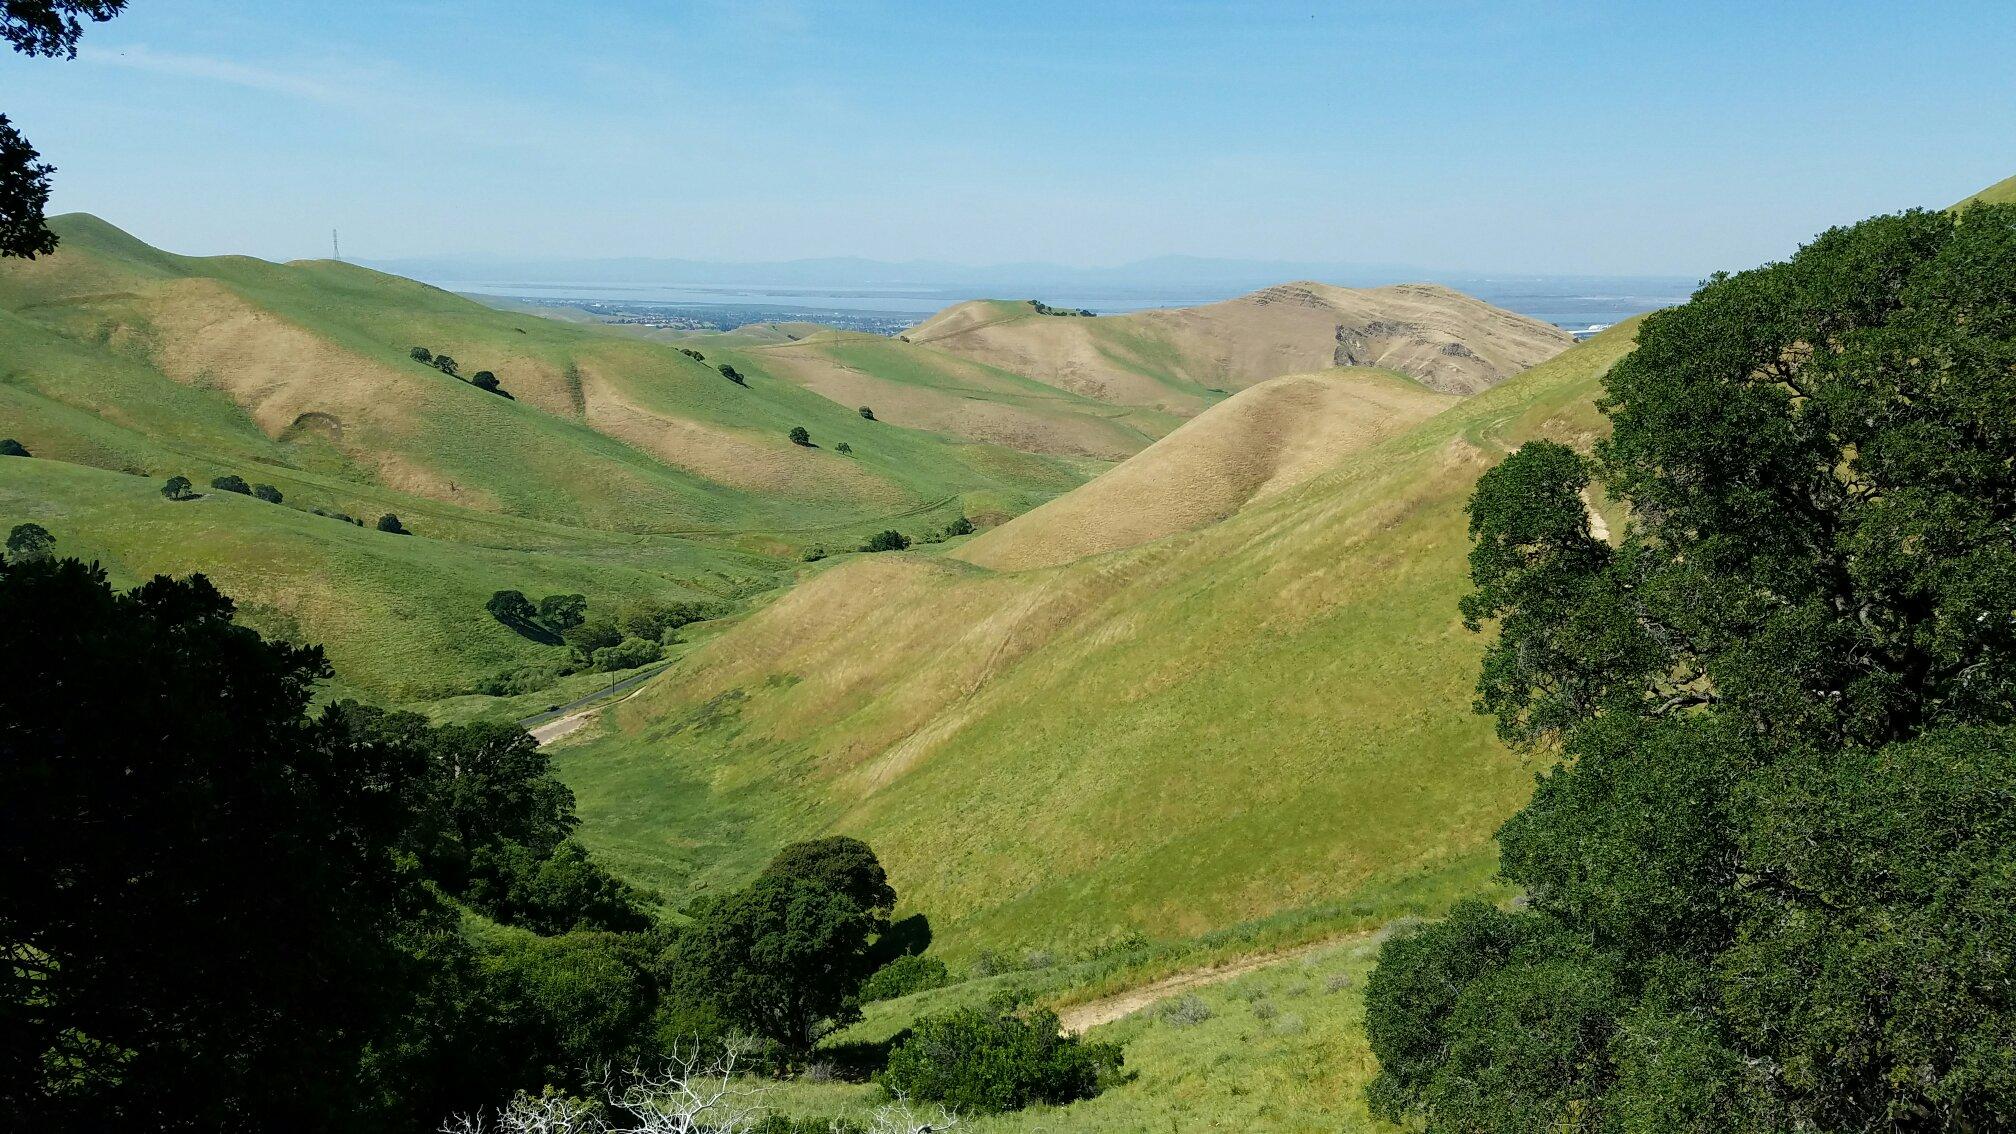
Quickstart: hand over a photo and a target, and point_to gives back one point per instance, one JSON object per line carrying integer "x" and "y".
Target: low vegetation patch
{"x": 983, "y": 1059}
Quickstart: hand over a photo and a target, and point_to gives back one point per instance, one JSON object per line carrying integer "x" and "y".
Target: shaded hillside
{"x": 1270, "y": 711}
{"x": 1179, "y": 360}
{"x": 1264, "y": 440}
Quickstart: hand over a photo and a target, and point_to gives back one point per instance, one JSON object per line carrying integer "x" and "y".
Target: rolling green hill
{"x": 1269, "y": 712}
{"x": 119, "y": 355}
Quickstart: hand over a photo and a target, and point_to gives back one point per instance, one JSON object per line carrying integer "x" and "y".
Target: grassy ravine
{"x": 1264, "y": 715}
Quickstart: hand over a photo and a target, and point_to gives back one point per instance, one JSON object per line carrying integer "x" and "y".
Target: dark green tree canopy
{"x": 390, "y": 523}
{"x": 178, "y": 488}
{"x": 840, "y": 863}
{"x": 1768, "y": 883}
{"x": 231, "y": 482}
{"x": 511, "y": 606}
{"x": 267, "y": 492}
{"x": 799, "y": 436}
{"x": 9, "y": 447}
{"x": 886, "y": 541}
{"x": 446, "y": 364}
{"x": 30, "y": 541}
{"x": 563, "y": 612}
{"x": 421, "y": 354}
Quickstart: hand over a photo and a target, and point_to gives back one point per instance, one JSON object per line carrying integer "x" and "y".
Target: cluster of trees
{"x": 635, "y": 635}
{"x": 12, "y": 448}
{"x": 732, "y": 374}
{"x": 483, "y": 380}
{"x": 695, "y": 355}
{"x": 1772, "y": 871}
{"x": 232, "y": 482}
{"x": 179, "y": 488}
{"x": 893, "y": 540}
{"x": 222, "y": 913}
{"x": 1043, "y": 308}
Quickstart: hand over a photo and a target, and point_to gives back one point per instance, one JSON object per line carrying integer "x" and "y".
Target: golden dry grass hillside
{"x": 1179, "y": 360}
{"x": 1264, "y": 714}
{"x": 1264, "y": 440}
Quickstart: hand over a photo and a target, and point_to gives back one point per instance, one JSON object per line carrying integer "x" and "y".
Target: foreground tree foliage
{"x": 220, "y": 913}
{"x": 1772, "y": 871}
{"x": 51, "y": 29}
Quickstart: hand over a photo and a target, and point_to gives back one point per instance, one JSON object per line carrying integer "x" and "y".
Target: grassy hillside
{"x": 2001, "y": 193}
{"x": 401, "y": 616}
{"x": 119, "y": 355}
{"x": 1266, "y": 713}
{"x": 924, "y": 388}
{"x": 1180, "y": 360}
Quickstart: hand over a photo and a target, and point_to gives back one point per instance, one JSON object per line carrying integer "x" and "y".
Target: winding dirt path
{"x": 1080, "y": 1017}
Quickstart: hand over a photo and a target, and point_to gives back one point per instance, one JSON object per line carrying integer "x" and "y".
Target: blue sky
{"x": 1538, "y": 137}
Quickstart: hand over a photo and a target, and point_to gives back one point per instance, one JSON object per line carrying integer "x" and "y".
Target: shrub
{"x": 390, "y": 523}
{"x": 29, "y": 543}
{"x": 343, "y": 516}
{"x": 815, "y": 555}
{"x": 1337, "y": 982}
{"x": 446, "y": 364}
{"x": 903, "y": 976}
{"x": 1265, "y": 1010}
{"x": 266, "y": 492}
{"x": 485, "y": 381}
{"x": 843, "y": 447}
{"x": 627, "y": 654}
{"x": 421, "y": 354}
{"x": 799, "y": 436}
{"x": 959, "y": 527}
{"x": 976, "y": 1059}
{"x": 232, "y": 482}
{"x": 732, "y": 374}
{"x": 528, "y": 678}
{"x": 695, "y": 355}
{"x": 886, "y": 541}
{"x": 1184, "y": 1011}
{"x": 867, "y": 414}
{"x": 178, "y": 488}
{"x": 12, "y": 448}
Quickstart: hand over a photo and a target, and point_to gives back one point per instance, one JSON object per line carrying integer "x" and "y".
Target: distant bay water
{"x": 1580, "y": 304}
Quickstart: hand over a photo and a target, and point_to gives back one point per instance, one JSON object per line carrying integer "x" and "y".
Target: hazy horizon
{"x": 1562, "y": 139}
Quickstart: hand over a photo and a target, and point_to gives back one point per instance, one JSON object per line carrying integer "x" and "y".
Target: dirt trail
{"x": 550, "y": 731}
{"x": 1079, "y": 1018}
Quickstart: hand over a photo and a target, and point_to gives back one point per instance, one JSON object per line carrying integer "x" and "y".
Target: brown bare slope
{"x": 1264, "y": 440}
{"x": 1180, "y": 359}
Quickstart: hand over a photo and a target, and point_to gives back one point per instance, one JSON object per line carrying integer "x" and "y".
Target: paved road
{"x": 557, "y": 722}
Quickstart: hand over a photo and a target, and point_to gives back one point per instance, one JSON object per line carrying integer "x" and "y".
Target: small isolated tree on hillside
{"x": 959, "y": 527}
{"x": 390, "y": 523}
{"x": 446, "y": 364}
{"x": 843, "y": 448}
{"x": 886, "y": 541}
{"x": 232, "y": 482}
{"x": 867, "y": 414}
{"x": 695, "y": 355}
{"x": 484, "y": 380}
{"x": 30, "y": 543}
{"x": 178, "y": 488}
{"x": 421, "y": 354}
{"x": 12, "y": 448}
{"x": 732, "y": 374}
{"x": 266, "y": 492}
{"x": 511, "y": 607}
{"x": 799, "y": 436}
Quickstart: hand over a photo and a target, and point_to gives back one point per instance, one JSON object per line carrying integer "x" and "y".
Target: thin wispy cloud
{"x": 140, "y": 57}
